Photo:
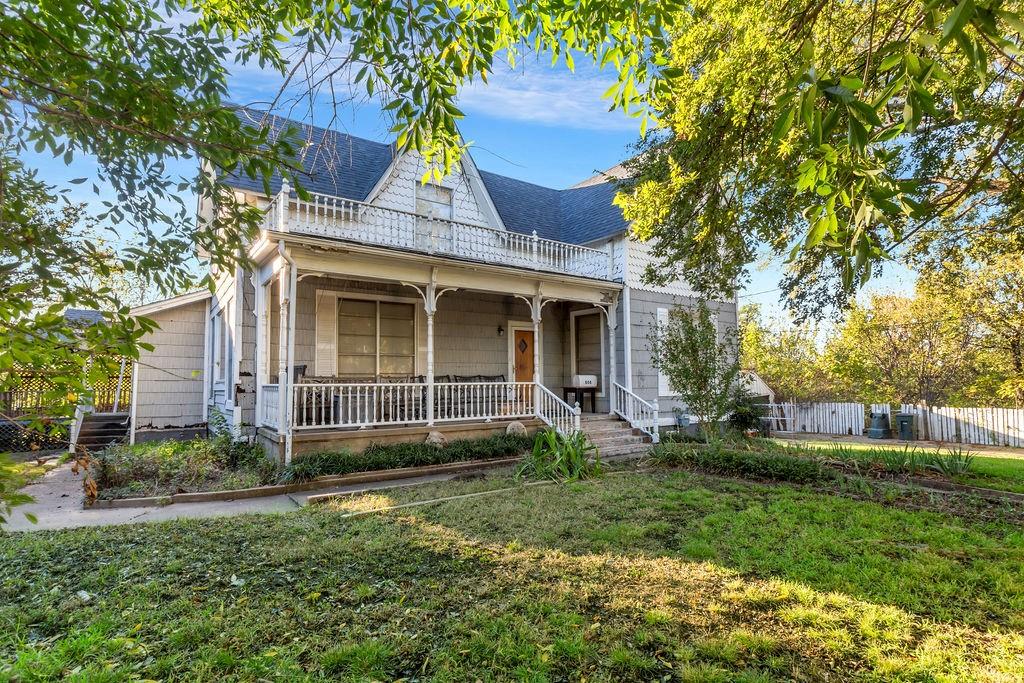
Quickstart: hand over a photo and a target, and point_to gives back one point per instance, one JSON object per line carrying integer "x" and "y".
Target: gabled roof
{"x": 347, "y": 166}
{"x": 82, "y": 317}
{"x": 173, "y": 302}
{"x": 336, "y": 163}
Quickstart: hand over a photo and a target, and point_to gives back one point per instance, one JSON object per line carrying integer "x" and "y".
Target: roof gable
{"x": 347, "y": 166}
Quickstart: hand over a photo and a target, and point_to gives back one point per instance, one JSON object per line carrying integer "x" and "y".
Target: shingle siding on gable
{"x": 399, "y": 191}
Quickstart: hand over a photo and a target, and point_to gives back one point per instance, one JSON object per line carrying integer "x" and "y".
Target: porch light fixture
{"x": 501, "y": 331}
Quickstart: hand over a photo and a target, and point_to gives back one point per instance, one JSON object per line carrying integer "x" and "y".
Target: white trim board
{"x": 173, "y": 302}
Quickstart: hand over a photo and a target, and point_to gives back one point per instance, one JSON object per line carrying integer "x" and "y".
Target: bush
{"x": 561, "y": 458}
{"x": 166, "y": 467}
{"x": 733, "y": 462}
{"x": 391, "y": 456}
{"x": 746, "y": 413}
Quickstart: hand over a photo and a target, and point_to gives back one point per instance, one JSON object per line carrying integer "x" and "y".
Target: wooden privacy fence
{"x": 983, "y": 426}
{"x": 816, "y": 418}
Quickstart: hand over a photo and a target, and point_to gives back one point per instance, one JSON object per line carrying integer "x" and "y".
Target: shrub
{"x": 561, "y": 458}
{"x": 745, "y": 412}
{"x": 390, "y": 456}
{"x": 953, "y": 462}
{"x": 733, "y": 462}
{"x": 163, "y": 467}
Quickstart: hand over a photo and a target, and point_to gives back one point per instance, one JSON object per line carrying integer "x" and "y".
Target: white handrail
{"x": 556, "y": 413}
{"x": 637, "y": 412}
{"x": 340, "y": 218}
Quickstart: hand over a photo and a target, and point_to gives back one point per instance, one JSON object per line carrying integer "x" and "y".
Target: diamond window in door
{"x": 523, "y": 346}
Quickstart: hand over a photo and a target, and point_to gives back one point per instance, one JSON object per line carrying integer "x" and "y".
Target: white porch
{"x": 360, "y": 339}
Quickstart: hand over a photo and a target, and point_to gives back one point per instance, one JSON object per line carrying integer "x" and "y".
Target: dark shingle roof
{"x": 82, "y": 317}
{"x": 347, "y": 166}
{"x": 336, "y": 163}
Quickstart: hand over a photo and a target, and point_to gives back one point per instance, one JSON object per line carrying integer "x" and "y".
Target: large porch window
{"x": 376, "y": 338}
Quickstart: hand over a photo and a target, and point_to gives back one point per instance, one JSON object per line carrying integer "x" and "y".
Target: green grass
{"x": 1005, "y": 474}
{"x": 632, "y": 577}
{"x": 993, "y": 470}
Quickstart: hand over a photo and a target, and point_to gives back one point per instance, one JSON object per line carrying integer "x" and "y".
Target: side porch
{"x": 352, "y": 348}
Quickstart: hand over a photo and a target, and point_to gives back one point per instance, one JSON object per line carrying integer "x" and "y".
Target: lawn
{"x": 1003, "y": 471}
{"x": 636, "y": 576}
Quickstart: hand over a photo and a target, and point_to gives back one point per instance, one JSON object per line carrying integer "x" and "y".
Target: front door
{"x": 522, "y": 355}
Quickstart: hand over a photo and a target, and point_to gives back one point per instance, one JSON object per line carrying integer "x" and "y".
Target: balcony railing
{"x": 345, "y": 219}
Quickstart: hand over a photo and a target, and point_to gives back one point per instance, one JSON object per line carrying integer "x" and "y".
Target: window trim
{"x": 601, "y": 326}
{"x": 451, "y": 201}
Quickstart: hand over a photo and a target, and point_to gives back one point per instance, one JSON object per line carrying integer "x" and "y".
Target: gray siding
{"x": 169, "y": 386}
{"x": 466, "y": 340}
{"x": 644, "y": 313}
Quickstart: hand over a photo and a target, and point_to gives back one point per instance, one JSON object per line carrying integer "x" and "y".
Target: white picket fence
{"x": 974, "y": 425}
{"x": 817, "y": 418}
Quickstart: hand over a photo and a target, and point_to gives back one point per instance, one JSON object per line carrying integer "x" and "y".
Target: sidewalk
{"x": 58, "y": 503}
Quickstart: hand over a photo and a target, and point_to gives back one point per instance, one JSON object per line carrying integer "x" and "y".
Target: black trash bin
{"x": 905, "y": 426}
{"x": 879, "y": 428}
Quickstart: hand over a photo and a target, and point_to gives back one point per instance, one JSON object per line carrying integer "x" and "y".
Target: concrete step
{"x": 627, "y": 449}
{"x": 599, "y": 417}
{"x": 618, "y": 440}
{"x": 596, "y": 431}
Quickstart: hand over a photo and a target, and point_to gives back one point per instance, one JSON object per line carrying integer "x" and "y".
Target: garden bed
{"x": 766, "y": 460}
{"x": 165, "y": 472}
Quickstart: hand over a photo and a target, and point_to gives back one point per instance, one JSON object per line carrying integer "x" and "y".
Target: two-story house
{"x": 383, "y": 307}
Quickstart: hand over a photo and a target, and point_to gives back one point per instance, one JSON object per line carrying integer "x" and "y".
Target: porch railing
{"x": 338, "y": 218}
{"x": 557, "y": 413}
{"x": 637, "y": 412}
{"x": 270, "y": 405}
{"x": 339, "y": 405}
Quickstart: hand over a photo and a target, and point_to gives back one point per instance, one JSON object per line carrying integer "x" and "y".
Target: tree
{"x": 904, "y": 350}
{"x": 992, "y": 295}
{"x": 701, "y": 369}
{"x": 839, "y": 135}
{"x": 141, "y": 89}
{"x": 787, "y": 358}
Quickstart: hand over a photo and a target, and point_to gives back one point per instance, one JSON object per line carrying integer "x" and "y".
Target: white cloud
{"x": 548, "y": 97}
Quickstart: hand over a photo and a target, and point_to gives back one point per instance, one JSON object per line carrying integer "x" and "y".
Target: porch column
{"x": 430, "y": 310}
{"x": 610, "y": 314}
{"x": 282, "y": 348}
{"x": 537, "y": 307}
{"x": 430, "y": 295}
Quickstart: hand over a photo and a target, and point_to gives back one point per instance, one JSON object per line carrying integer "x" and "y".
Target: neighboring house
{"x": 382, "y": 303}
{"x": 756, "y": 387}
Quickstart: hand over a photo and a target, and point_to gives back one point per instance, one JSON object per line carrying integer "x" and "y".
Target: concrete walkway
{"x": 58, "y": 503}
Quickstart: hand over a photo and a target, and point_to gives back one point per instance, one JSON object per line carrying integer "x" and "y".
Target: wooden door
{"x": 522, "y": 358}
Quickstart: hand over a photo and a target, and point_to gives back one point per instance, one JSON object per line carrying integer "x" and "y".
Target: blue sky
{"x": 538, "y": 124}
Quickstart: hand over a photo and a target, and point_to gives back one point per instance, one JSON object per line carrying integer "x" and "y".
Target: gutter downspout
{"x": 287, "y": 381}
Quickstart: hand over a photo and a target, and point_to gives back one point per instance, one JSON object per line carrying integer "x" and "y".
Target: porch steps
{"x": 100, "y": 430}
{"x": 613, "y": 436}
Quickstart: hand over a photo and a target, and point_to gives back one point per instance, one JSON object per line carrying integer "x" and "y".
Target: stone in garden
{"x": 516, "y": 428}
{"x": 436, "y": 438}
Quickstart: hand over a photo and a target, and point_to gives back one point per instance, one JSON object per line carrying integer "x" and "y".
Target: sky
{"x": 540, "y": 124}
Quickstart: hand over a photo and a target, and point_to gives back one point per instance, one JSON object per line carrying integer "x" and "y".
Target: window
{"x": 433, "y": 201}
{"x": 376, "y": 338}
{"x": 217, "y": 347}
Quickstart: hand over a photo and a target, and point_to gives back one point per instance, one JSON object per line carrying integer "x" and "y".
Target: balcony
{"x": 352, "y": 221}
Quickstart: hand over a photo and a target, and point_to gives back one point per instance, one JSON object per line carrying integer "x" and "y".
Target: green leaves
{"x": 958, "y": 19}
